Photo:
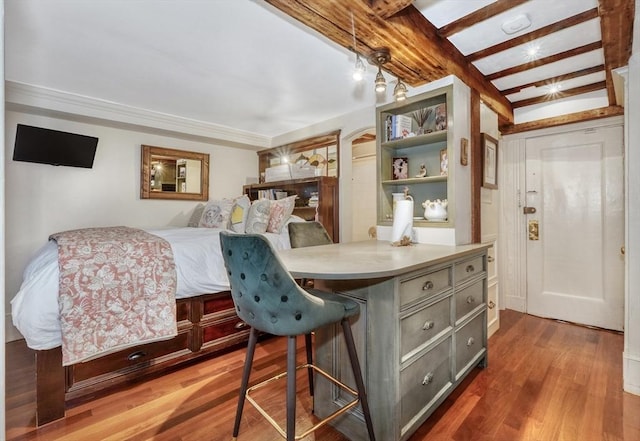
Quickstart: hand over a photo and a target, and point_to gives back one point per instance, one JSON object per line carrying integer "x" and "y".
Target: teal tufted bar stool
{"x": 268, "y": 298}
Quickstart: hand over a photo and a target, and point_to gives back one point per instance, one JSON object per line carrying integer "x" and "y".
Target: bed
{"x": 205, "y": 316}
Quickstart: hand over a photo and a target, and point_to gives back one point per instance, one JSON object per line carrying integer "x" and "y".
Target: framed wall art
{"x": 489, "y": 162}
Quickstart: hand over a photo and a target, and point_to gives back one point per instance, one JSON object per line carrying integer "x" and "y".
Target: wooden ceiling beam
{"x": 553, "y": 80}
{"x": 587, "y": 115}
{"x": 418, "y": 53}
{"x": 546, "y": 60}
{"x": 616, "y": 25}
{"x": 489, "y": 11}
{"x": 534, "y": 35}
{"x": 560, "y": 95}
{"x": 388, "y": 8}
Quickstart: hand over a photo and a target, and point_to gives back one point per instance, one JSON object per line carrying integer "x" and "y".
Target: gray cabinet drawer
{"x": 424, "y": 286}
{"x": 424, "y": 380}
{"x": 469, "y": 298}
{"x": 468, "y": 268}
{"x": 469, "y": 342}
{"x": 420, "y": 327}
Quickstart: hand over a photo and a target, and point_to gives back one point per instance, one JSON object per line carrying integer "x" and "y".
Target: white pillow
{"x": 216, "y": 214}
{"x": 258, "y": 217}
{"x": 281, "y": 209}
{"x": 194, "y": 219}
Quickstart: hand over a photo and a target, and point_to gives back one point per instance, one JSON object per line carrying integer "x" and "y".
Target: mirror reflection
{"x": 174, "y": 174}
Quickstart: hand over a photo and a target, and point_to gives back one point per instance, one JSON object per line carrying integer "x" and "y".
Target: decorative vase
{"x": 435, "y": 210}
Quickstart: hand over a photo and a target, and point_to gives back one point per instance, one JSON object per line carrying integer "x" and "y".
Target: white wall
{"x": 43, "y": 199}
{"x": 631, "y": 356}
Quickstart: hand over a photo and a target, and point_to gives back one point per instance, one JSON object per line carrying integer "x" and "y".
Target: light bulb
{"x": 381, "y": 83}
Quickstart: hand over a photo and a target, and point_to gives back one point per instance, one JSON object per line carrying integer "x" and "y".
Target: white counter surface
{"x": 367, "y": 259}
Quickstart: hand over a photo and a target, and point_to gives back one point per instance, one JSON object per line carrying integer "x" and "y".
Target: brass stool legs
{"x": 290, "y": 435}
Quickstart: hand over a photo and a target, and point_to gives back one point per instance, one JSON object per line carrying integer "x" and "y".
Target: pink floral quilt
{"x": 117, "y": 289}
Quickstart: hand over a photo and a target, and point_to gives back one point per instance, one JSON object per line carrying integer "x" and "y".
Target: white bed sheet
{"x": 199, "y": 267}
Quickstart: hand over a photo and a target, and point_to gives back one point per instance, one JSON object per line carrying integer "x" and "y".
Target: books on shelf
{"x": 398, "y": 127}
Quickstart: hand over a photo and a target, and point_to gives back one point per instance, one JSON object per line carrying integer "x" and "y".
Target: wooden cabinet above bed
{"x": 317, "y": 199}
{"x": 308, "y": 169}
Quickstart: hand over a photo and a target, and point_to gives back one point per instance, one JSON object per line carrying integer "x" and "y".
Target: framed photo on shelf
{"x": 489, "y": 162}
{"x": 400, "y": 168}
{"x": 444, "y": 162}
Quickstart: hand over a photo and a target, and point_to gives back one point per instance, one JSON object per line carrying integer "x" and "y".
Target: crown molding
{"x": 111, "y": 113}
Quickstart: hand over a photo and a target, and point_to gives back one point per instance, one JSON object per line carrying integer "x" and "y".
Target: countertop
{"x": 368, "y": 259}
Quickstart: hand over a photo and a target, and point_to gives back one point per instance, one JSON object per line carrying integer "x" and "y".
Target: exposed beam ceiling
{"x": 422, "y": 52}
{"x": 419, "y": 54}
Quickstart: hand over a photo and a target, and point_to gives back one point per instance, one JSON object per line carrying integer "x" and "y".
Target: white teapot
{"x": 435, "y": 210}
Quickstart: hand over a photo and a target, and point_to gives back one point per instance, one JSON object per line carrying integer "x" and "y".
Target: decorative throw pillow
{"x": 258, "y": 216}
{"x": 194, "y": 220}
{"x": 239, "y": 214}
{"x": 281, "y": 209}
{"x": 216, "y": 214}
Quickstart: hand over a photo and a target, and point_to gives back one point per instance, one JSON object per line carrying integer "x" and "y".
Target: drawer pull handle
{"x": 470, "y": 269}
{"x": 428, "y": 325}
{"x": 471, "y": 341}
{"x": 427, "y": 285}
{"x": 470, "y": 299}
{"x": 427, "y": 379}
{"x": 491, "y": 304}
{"x": 240, "y": 325}
{"x": 136, "y": 355}
{"x": 490, "y": 258}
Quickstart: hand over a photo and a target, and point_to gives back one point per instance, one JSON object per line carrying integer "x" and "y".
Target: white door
{"x": 575, "y": 267}
{"x": 363, "y": 199}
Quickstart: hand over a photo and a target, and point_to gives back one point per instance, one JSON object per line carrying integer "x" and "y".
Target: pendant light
{"x": 379, "y": 57}
{"x": 400, "y": 91}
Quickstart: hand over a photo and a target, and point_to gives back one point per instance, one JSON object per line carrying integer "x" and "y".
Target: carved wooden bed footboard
{"x": 206, "y": 324}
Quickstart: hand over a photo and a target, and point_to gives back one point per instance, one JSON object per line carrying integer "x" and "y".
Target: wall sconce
{"x": 378, "y": 58}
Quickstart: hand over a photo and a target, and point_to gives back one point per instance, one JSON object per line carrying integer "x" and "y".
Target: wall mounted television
{"x": 46, "y": 146}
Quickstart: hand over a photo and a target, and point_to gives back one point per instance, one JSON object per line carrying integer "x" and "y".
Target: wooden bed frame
{"x": 207, "y": 324}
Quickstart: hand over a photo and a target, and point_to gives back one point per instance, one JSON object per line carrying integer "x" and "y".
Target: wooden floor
{"x": 546, "y": 381}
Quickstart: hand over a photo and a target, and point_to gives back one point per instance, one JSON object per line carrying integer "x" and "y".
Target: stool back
{"x": 265, "y": 294}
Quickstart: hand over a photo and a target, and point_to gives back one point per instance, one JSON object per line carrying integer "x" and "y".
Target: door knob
{"x": 622, "y": 250}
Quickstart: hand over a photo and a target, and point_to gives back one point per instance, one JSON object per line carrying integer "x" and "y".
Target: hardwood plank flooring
{"x": 546, "y": 380}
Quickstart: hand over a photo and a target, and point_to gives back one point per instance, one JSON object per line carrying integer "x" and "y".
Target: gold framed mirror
{"x": 174, "y": 174}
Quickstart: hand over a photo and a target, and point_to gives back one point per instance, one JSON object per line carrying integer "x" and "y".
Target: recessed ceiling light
{"x": 516, "y": 24}
{"x": 554, "y": 88}
{"x": 531, "y": 52}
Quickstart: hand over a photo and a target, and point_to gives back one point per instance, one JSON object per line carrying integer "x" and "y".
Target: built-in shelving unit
{"x": 426, "y": 130}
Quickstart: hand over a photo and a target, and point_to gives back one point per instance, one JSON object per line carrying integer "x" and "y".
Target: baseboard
{"x": 11, "y": 333}
{"x": 631, "y": 373}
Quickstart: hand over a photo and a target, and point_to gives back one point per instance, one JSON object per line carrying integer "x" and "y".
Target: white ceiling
{"x": 244, "y": 65}
{"x": 238, "y": 63}
{"x": 541, "y": 13}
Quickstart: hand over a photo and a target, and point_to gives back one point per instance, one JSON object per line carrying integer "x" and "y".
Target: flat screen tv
{"x": 46, "y": 146}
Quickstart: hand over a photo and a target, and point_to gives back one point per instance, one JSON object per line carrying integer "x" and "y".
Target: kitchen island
{"x": 422, "y": 327}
